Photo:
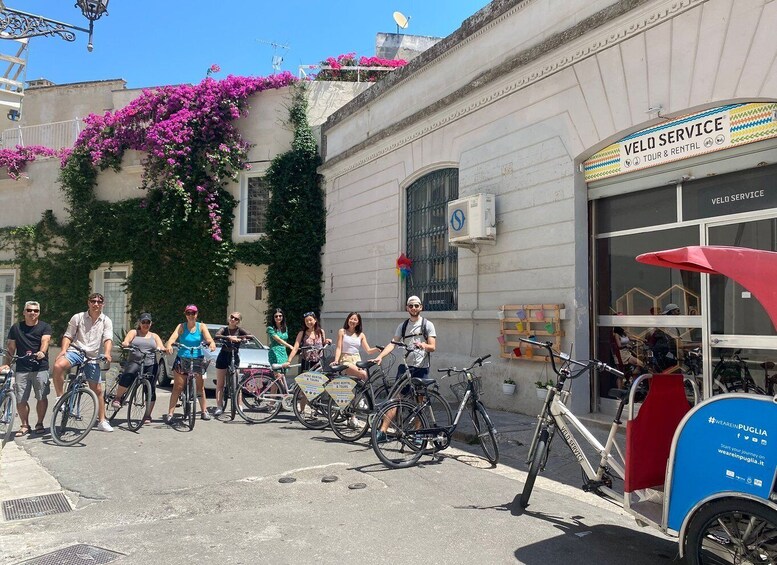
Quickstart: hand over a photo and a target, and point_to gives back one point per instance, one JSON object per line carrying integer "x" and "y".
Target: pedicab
{"x": 710, "y": 468}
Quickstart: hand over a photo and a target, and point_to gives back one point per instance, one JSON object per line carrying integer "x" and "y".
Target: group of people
{"x": 90, "y": 332}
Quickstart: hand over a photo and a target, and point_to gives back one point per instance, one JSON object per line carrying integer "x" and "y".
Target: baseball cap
{"x": 145, "y": 317}
{"x": 669, "y": 307}
{"x": 413, "y": 300}
{"x": 191, "y": 308}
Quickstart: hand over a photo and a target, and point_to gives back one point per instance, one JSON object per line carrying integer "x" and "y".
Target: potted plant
{"x": 508, "y": 386}
{"x": 542, "y": 388}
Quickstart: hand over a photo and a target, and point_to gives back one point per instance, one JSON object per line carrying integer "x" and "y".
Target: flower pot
{"x": 541, "y": 393}
{"x": 508, "y": 388}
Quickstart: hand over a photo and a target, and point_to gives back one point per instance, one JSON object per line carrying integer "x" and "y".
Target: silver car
{"x": 252, "y": 352}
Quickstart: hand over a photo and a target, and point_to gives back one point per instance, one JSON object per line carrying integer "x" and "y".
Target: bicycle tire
{"x": 536, "y": 464}
{"x": 191, "y": 403}
{"x": 250, "y": 401}
{"x": 230, "y": 397}
{"x": 311, "y": 414}
{"x": 7, "y": 416}
{"x": 398, "y": 449}
{"x": 73, "y": 420}
{"x": 138, "y": 404}
{"x": 486, "y": 433}
{"x": 109, "y": 396}
{"x": 352, "y": 422}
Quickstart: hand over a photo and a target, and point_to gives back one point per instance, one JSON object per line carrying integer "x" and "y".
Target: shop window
{"x": 255, "y": 198}
{"x": 435, "y": 262}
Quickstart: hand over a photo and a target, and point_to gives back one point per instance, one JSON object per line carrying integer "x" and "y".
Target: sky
{"x": 157, "y": 42}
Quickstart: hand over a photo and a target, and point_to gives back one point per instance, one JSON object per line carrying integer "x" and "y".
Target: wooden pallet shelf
{"x": 543, "y": 321}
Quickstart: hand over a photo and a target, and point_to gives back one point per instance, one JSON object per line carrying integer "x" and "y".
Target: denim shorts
{"x": 91, "y": 370}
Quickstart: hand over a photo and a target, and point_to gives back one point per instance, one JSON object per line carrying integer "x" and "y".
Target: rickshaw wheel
{"x": 732, "y": 530}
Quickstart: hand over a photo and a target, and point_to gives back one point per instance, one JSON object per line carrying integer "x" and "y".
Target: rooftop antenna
{"x": 277, "y": 58}
{"x": 401, "y": 20}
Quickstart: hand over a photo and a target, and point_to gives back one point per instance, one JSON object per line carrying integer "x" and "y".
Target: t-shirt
{"x": 227, "y": 345}
{"x": 28, "y": 338}
{"x": 89, "y": 335}
{"x": 414, "y": 333}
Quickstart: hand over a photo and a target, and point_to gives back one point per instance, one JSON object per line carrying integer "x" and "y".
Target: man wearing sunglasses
{"x": 86, "y": 333}
{"x": 420, "y": 336}
{"x": 31, "y": 337}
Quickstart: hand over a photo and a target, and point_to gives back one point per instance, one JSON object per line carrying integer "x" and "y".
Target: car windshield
{"x": 252, "y": 344}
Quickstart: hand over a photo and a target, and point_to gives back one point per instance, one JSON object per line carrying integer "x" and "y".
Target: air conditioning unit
{"x": 472, "y": 220}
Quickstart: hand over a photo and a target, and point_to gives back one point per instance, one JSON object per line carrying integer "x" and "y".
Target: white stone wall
{"x": 521, "y": 135}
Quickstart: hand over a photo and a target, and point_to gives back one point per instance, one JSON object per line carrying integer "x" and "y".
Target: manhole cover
{"x": 357, "y": 486}
{"x": 75, "y": 555}
{"x": 35, "y": 506}
{"x": 286, "y": 480}
{"x": 328, "y": 479}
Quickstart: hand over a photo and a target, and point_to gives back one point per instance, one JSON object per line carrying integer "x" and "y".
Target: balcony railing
{"x": 356, "y": 73}
{"x": 54, "y": 135}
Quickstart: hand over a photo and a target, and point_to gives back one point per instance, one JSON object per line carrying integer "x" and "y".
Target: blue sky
{"x": 155, "y": 42}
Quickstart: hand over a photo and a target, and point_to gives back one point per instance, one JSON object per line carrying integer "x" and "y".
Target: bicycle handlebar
{"x": 477, "y": 362}
{"x": 590, "y": 364}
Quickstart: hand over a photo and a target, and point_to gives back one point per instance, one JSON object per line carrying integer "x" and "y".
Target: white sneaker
{"x": 104, "y": 426}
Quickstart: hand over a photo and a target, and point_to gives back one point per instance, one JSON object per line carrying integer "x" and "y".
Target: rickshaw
{"x": 704, "y": 473}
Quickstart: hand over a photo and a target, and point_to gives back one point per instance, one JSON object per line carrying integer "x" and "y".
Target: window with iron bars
{"x": 435, "y": 263}
{"x": 257, "y": 198}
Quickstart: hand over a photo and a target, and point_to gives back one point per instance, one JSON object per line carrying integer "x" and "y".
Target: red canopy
{"x": 754, "y": 269}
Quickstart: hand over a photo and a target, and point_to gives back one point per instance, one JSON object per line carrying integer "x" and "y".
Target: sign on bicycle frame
{"x": 341, "y": 391}
{"x": 312, "y": 384}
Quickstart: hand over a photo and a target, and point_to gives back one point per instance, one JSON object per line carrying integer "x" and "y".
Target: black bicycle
{"x": 402, "y": 430}
{"x": 137, "y": 398}
{"x": 76, "y": 411}
{"x": 8, "y": 399}
{"x": 229, "y": 395}
{"x": 190, "y": 367}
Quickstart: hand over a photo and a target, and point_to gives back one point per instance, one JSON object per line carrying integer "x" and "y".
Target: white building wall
{"x": 521, "y": 135}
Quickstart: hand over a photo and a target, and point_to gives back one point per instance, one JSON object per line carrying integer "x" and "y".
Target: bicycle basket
{"x": 459, "y": 389}
{"x": 194, "y": 365}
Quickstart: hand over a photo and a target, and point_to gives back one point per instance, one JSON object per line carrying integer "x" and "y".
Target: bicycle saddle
{"x": 423, "y": 382}
{"x": 365, "y": 364}
{"x": 336, "y": 368}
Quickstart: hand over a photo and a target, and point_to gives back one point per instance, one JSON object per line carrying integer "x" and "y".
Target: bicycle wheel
{"x": 732, "y": 531}
{"x": 486, "y": 432}
{"x": 313, "y": 415}
{"x": 190, "y": 409}
{"x": 253, "y": 398}
{"x": 230, "y": 391}
{"x": 138, "y": 404}
{"x": 352, "y": 422}
{"x": 7, "y": 416}
{"x": 74, "y": 416}
{"x": 537, "y": 463}
{"x": 398, "y": 446}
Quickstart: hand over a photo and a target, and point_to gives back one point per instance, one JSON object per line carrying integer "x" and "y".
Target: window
{"x": 256, "y": 197}
{"x": 111, "y": 282}
{"x": 7, "y": 287}
{"x": 435, "y": 263}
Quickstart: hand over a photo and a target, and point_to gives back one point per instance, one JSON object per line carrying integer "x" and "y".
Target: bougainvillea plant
{"x": 336, "y": 68}
{"x": 15, "y": 160}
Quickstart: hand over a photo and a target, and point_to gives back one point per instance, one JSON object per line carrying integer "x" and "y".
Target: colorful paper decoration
{"x": 520, "y": 314}
{"x": 500, "y": 339}
{"x": 517, "y": 351}
{"x": 549, "y": 327}
{"x": 519, "y": 326}
{"x": 529, "y": 352}
{"x": 540, "y": 315}
{"x": 404, "y": 266}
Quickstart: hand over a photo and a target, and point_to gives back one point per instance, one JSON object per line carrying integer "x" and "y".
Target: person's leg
{"x": 178, "y": 381}
{"x": 23, "y": 387}
{"x": 42, "y": 388}
{"x": 354, "y": 371}
{"x": 220, "y": 377}
{"x": 94, "y": 379}
{"x": 201, "y": 392}
{"x": 61, "y": 366}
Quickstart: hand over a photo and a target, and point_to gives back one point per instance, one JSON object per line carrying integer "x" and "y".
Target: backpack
{"x": 424, "y": 332}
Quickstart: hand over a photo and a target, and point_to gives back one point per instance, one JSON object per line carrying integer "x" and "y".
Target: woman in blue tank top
{"x": 191, "y": 334}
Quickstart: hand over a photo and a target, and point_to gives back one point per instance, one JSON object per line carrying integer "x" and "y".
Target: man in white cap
{"x": 419, "y": 335}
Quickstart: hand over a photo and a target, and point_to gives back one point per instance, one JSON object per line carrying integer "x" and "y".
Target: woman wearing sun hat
{"x": 191, "y": 334}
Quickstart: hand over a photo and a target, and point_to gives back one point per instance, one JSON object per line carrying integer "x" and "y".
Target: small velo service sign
{"x": 341, "y": 390}
{"x": 312, "y": 383}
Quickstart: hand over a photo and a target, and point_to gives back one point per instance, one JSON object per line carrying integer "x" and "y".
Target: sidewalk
{"x": 21, "y": 475}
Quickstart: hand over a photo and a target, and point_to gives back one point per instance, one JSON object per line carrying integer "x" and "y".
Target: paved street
{"x": 166, "y": 495}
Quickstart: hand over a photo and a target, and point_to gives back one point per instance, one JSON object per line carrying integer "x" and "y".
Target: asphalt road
{"x": 165, "y": 495}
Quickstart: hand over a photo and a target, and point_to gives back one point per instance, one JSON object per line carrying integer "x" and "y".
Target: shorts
{"x": 91, "y": 369}
{"x": 190, "y": 365}
{"x": 224, "y": 358}
{"x": 415, "y": 372}
{"x": 26, "y": 382}
{"x": 131, "y": 370}
{"x": 351, "y": 358}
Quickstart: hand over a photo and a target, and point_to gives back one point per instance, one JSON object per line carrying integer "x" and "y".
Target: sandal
{"x": 39, "y": 429}
{"x": 147, "y": 420}
{"x": 23, "y": 431}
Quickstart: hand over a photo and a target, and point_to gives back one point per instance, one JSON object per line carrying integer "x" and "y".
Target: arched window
{"x": 435, "y": 263}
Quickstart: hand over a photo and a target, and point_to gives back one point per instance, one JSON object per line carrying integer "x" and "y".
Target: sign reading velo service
{"x": 696, "y": 134}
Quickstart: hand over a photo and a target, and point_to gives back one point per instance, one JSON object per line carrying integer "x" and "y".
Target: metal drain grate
{"x": 75, "y": 555}
{"x": 35, "y": 506}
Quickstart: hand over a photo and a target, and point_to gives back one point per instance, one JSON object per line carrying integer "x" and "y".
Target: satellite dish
{"x": 401, "y": 20}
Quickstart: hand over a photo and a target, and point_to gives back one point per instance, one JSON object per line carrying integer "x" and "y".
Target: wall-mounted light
{"x": 15, "y": 24}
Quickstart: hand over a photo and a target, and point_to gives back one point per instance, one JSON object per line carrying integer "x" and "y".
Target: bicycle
{"x": 138, "y": 395}
{"x": 75, "y": 413}
{"x": 555, "y": 415}
{"x": 732, "y": 372}
{"x": 231, "y": 378}
{"x": 8, "y": 399}
{"x": 262, "y": 393}
{"x": 408, "y": 432}
{"x": 189, "y": 393}
{"x": 311, "y": 407}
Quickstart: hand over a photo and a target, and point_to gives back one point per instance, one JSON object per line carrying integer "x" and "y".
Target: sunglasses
{"x": 31, "y": 310}
{"x": 278, "y": 316}
{"x": 145, "y": 323}
{"x": 95, "y": 301}
{"x": 190, "y": 313}
{"x": 306, "y": 314}
{"x": 413, "y": 305}
{"x": 234, "y": 318}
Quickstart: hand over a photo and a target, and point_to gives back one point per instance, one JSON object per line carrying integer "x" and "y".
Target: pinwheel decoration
{"x": 404, "y": 266}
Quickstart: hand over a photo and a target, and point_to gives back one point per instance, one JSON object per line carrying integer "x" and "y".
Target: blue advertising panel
{"x": 727, "y": 444}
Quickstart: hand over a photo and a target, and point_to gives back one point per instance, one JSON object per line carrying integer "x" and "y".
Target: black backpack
{"x": 424, "y": 332}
